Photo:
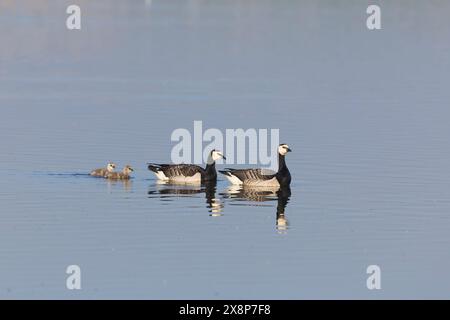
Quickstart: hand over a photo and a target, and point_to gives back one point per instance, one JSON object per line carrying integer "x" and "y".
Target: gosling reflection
{"x": 165, "y": 191}
{"x": 241, "y": 195}
{"x": 126, "y": 184}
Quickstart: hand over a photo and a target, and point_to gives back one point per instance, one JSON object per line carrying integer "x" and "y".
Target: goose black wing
{"x": 176, "y": 170}
{"x": 251, "y": 174}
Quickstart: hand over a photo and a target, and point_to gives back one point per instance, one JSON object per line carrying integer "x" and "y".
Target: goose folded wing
{"x": 252, "y": 174}
{"x": 185, "y": 170}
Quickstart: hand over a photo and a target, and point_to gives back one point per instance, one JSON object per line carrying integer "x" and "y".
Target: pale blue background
{"x": 366, "y": 113}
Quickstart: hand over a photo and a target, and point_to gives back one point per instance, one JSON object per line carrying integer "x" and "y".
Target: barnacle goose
{"x": 188, "y": 173}
{"x": 262, "y": 177}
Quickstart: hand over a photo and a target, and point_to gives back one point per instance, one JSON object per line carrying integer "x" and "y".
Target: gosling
{"x": 124, "y": 175}
{"x": 103, "y": 171}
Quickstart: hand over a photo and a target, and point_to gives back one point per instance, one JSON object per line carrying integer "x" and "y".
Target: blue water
{"x": 365, "y": 112}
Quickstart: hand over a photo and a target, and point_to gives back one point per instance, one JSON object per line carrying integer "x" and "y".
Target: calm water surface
{"x": 365, "y": 112}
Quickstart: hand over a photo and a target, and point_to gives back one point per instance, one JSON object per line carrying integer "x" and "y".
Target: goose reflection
{"x": 242, "y": 194}
{"x": 165, "y": 190}
{"x": 284, "y": 195}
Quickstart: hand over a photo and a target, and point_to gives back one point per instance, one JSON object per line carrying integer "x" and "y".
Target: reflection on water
{"x": 237, "y": 195}
{"x": 283, "y": 198}
{"x": 165, "y": 190}
{"x": 126, "y": 184}
{"x": 256, "y": 195}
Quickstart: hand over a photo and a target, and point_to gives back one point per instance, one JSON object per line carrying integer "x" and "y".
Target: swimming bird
{"x": 262, "y": 177}
{"x": 188, "y": 173}
{"x": 124, "y": 175}
{"x": 103, "y": 171}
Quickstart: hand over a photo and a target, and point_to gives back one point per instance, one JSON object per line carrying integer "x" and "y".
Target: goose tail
{"x": 230, "y": 176}
{"x": 157, "y": 170}
{"x": 225, "y": 172}
{"x": 154, "y": 167}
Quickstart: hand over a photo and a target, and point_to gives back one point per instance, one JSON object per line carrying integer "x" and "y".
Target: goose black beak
{"x": 289, "y": 150}
{"x": 224, "y": 158}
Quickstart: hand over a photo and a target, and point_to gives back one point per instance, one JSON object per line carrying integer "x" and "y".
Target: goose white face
{"x": 110, "y": 167}
{"x": 216, "y": 155}
{"x": 283, "y": 149}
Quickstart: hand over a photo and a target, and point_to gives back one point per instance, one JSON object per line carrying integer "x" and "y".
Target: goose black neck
{"x": 281, "y": 163}
{"x": 211, "y": 166}
{"x": 210, "y": 172}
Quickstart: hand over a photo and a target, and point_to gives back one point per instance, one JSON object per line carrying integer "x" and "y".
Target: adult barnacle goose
{"x": 262, "y": 177}
{"x": 188, "y": 173}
